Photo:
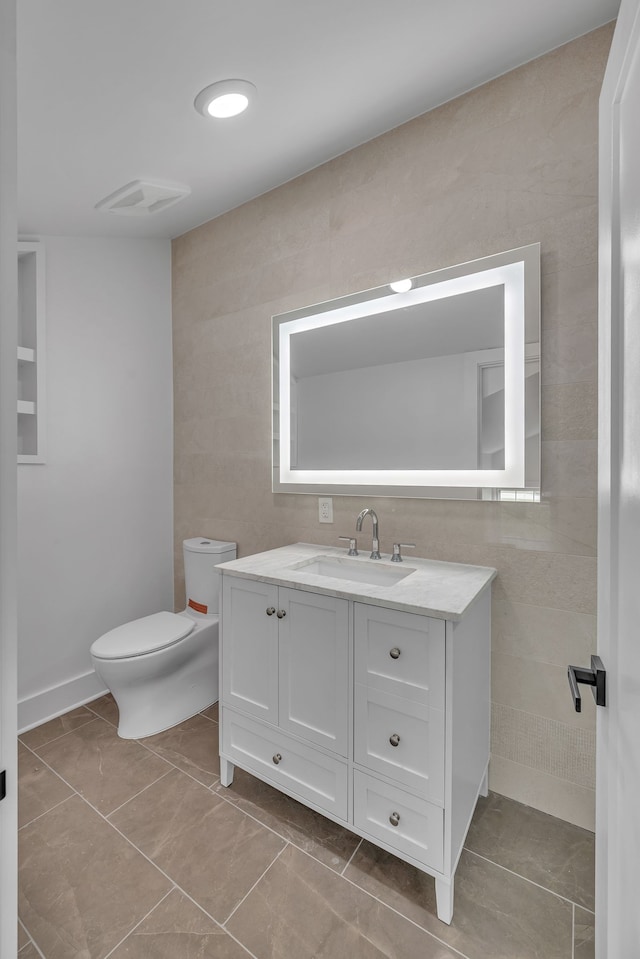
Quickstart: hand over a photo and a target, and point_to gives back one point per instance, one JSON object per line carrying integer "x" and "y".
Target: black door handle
{"x": 596, "y": 677}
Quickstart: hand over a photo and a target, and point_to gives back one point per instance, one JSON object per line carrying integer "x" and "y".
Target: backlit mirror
{"x": 434, "y": 391}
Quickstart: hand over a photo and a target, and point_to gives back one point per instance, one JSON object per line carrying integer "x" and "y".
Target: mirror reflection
{"x": 430, "y": 392}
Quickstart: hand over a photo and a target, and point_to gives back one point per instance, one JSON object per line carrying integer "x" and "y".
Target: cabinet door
{"x": 249, "y": 647}
{"x": 314, "y": 668}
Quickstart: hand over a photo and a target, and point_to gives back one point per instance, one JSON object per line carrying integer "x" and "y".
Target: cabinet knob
{"x": 277, "y": 758}
{"x": 394, "y": 818}
{"x": 281, "y": 613}
{"x": 394, "y": 740}
{"x": 394, "y": 653}
{"x": 270, "y": 610}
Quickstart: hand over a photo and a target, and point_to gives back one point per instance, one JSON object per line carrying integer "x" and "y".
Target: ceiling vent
{"x": 141, "y": 197}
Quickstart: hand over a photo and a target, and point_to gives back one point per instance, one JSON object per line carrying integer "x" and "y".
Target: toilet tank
{"x": 202, "y": 579}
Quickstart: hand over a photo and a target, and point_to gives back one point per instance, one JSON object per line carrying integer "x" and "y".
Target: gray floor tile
{"x": 38, "y": 788}
{"x": 105, "y": 707}
{"x": 191, "y": 746}
{"x": 320, "y": 837}
{"x": 82, "y": 887}
{"x": 177, "y": 929}
{"x": 302, "y": 910}
{"x": 105, "y": 769}
{"x": 584, "y": 934}
{"x": 549, "y": 851}
{"x": 55, "y": 728}
{"x": 495, "y": 913}
{"x": 213, "y": 852}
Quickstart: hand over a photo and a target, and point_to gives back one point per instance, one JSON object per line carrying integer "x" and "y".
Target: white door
{"x": 8, "y": 394}
{"x": 618, "y": 745}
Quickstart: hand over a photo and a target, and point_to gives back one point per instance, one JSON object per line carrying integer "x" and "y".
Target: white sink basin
{"x": 372, "y": 571}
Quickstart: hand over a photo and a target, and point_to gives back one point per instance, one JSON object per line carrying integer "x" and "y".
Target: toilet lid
{"x": 145, "y": 635}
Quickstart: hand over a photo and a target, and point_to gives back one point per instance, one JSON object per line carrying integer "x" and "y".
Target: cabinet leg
{"x": 227, "y": 770}
{"x": 444, "y": 900}
{"x": 484, "y": 785}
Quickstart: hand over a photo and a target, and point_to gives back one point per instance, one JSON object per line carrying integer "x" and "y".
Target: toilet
{"x": 162, "y": 669}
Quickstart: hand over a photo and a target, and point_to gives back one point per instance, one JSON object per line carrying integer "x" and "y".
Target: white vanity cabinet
{"x": 285, "y": 681}
{"x": 360, "y": 701}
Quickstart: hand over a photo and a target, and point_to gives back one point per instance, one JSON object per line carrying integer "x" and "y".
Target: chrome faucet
{"x": 375, "y": 546}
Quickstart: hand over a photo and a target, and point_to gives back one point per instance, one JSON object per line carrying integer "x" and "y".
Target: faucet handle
{"x": 353, "y": 545}
{"x": 397, "y": 557}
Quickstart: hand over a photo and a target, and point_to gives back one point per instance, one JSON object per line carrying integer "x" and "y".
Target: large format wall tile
{"x": 510, "y": 163}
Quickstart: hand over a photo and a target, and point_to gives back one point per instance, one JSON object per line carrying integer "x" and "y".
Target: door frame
{"x": 617, "y": 872}
{"x": 8, "y": 477}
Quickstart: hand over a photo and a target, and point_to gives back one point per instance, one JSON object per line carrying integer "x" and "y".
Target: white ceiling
{"x": 106, "y": 90}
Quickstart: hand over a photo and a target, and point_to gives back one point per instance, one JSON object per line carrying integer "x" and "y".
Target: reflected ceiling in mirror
{"x": 430, "y": 392}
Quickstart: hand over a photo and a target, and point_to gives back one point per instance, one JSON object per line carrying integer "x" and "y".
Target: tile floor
{"x": 134, "y": 849}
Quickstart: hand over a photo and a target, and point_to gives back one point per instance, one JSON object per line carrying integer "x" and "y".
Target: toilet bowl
{"x": 162, "y": 669}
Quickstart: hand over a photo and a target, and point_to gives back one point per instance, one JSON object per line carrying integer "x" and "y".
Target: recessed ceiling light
{"x": 226, "y": 98}
{"x": 401, "y": 286}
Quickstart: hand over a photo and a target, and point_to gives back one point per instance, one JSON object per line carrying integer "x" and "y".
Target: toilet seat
{"x": 146, "y": 635}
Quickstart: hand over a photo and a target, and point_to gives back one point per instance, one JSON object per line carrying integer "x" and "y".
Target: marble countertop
{"x": 434, "y": 588}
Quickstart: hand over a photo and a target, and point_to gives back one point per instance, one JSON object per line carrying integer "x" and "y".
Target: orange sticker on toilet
{"x": 199, "y": 607}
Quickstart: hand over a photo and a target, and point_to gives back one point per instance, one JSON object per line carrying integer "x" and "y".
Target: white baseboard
{"x": 52, "y": 702}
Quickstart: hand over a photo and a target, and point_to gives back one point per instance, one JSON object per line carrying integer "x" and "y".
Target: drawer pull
{"x": 281, "y": 613}
{"x": 277, "y": 758}
{"x": 394, "y": 653}
{"x": 394, "y": 740}
{"x": 270, "y": 610}
{"x": 394, "y": 818}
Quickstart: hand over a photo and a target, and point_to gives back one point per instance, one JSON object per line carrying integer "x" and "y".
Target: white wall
{"x": 95, "y": 522}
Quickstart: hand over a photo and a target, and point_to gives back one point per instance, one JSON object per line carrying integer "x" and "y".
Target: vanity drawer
{"x": 403, "y": 740}
{"x": 400, "y": 653}
{"x": 300, "y": 770}
{"x": 412, "y": 826}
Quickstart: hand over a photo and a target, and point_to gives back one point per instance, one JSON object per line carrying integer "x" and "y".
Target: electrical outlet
{"x": 325, "y": 509}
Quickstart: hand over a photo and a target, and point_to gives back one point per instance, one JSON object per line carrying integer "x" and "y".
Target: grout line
{"x": 280, "y": 835}
{"x": 100, "y": 716}
{"x": 56, "y": 739}
{"x": 347, "y": 864}
{"x": 135, "y": 795}
{"x": 526, "y": 879}
{"x": 174, "y": 884}
{"x": 36, "y": 818}
{"x": 170, "y": 763}
{"x": 214, "y": 920}
{"x": 386, "y": 905}
{"x": 31, "y": 941}
{"x": 248, "y": 893}
{"x": 270, "y": 829}
{"x": 135, "y": 926}
{"x": 208, "y": 718}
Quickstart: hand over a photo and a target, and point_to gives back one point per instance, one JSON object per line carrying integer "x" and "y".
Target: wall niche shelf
{"x": 31, "y": 353}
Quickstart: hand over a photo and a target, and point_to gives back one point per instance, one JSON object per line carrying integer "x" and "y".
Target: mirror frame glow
{"x": 518, "y": 271}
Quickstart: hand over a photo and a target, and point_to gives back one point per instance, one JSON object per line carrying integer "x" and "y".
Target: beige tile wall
{"x": 511, "y": 163}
